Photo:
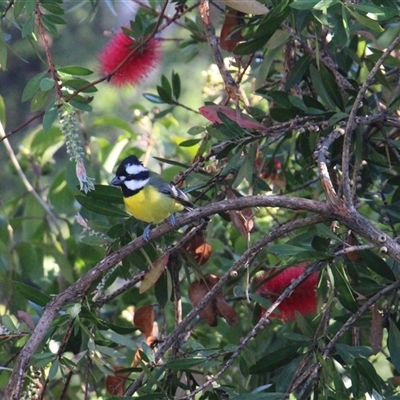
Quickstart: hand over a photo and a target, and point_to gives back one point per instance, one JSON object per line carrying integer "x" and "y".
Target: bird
{"x": 147, "y": 196}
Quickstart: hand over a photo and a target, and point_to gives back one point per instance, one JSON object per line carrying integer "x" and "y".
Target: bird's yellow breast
{"x": 150, "y": 205}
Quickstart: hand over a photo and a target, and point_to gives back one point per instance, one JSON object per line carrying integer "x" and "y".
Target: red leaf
{"x": 244, "y": 121}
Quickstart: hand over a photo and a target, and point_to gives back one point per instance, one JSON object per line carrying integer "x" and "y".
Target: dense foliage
{"x": 279, "y": 118}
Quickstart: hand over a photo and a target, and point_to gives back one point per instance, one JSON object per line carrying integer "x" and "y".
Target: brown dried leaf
{"x": 23, "y": 316}
{"x": 242, "y": 223}
{"x": 354, "y": 256}
{"x": 197, "y": 291}
{"x": 242, "y": 220}
{"x": 150, "y": 341}
{"x": 115, "y": 384}
{"x": 376, "y": 330}
{"x": 153, "y": 273}
{"x": 199, "y": 249}
{"x": 137, "y": 358}
{"x": 144, "y": 320}
{"x": 231, "y": 35}
{"x": 226, "y": 311}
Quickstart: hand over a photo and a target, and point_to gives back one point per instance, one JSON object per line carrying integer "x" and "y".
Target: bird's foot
{"x": 146, "y": 233}
{"x": 171, "y": 220}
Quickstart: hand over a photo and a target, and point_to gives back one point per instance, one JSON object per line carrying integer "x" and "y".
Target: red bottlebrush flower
{"x": 303, "y": 299}
{"x": 138, "y": 65}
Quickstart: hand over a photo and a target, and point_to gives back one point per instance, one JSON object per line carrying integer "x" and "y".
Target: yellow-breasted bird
{"x": 147, "y": 196}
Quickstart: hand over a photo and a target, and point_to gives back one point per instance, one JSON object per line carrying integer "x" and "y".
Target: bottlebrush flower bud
{"x": 138, "y": 64}
{"x": 303, "y": 299}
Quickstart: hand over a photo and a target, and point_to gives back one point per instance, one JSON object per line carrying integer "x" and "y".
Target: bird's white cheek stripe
{"x": 133, "y": 169}
{"x": 135, "y": 184}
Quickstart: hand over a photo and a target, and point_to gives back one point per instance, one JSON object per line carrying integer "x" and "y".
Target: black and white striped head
{"x": 131, "y": 175}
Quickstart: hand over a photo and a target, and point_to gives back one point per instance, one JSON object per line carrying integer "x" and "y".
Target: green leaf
{"x": 32, "y": 294}
{"x": 119, "y": 339}
{"x": 304, "y": 4}
{"x": 32, "y": 86}
{"x": 75, "y": 70}
{"x": 394, "y": 344}
{"x": 54, "y": 368}
{"x": 30, "y": 6}
{"x": 331, "y": 87}
{"x": 189, "y": 143}
{"x": 380, "y": 13}
{"x": 366, "y": 369}
{"x": 319, "y": 86}
{"x": 100, "y": 207}
{"x": 350, "y": 353}
{"x": 52, "y": 7}
{"x": 274, "y": 360}
{"x": 50, "y": 27}
{"x": 378, "y": 265}
{"x": 49, "y": 116}
{"x": 176, "y": 85}
{"x": 3, "y": 52}
{"x": 107, "y": 193}
{"x": 79, "y": 83}
{"x": 163, "y": 289}
{"x": 343, "y": 288}
{"x": 8, "y": 323}
{"x": 46, "y": 84}
{"x": 39, "y": 100}
{"x": 164, "y": 95}
{"x": 2, "y": 111}
{"x": 367, "y": 22}
{"x": 27, "y": 28}
{"x": 325, "y": 4}
{"x": 18, "y": 8}
{"x": 298, "y": 71}
{"x": 196, "y": 130}
{"x": 55, "y": 19}
{"x": 339, "y": 116}
{"x": 81, "y": 103}
{"x": 153, "y": 98}
{"x": 166, "y": 86}
{"x": 286, "y": 376}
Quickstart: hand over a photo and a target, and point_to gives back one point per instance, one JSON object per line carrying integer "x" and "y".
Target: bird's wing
{"x": 171, "y": 190}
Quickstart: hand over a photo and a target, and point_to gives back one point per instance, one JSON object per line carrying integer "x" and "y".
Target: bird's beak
{"x": 117, "y": 181}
